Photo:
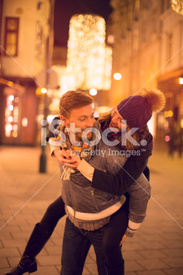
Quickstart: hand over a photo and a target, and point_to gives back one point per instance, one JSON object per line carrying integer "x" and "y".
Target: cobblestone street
{"x": 156, "y": 249}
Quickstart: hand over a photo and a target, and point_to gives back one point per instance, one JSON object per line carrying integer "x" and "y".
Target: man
{"x": 88, "y": 210}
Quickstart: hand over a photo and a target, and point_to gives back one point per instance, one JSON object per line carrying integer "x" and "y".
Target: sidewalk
{"x": 156, "y": 249}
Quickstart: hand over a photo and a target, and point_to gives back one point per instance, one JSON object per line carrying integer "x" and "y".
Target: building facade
{"x": 148, "y": 52}
{"x": 24, "y": 30}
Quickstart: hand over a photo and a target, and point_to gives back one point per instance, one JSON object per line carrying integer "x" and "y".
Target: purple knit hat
{"x": 136, "y": 110}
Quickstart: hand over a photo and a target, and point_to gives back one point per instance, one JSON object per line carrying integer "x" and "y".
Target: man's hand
{"x": 124, "y": 237}
{"x": 68, "y": 158}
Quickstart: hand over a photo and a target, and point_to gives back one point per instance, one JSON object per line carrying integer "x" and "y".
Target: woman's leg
{"x": 53, "y": 214}
{"x": 112, "y": 237}
{"x": 45, "y": 228}
{"x": 39, "y": 236}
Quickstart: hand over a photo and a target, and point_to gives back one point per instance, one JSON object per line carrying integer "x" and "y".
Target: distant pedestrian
{"x": 180, "y": 142}
{"x": 171, "y": 142}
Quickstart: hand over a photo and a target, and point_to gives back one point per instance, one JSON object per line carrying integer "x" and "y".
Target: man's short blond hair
{"x": 73, "y": 100}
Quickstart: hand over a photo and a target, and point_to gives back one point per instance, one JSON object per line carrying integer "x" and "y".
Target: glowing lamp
{"x": 177, "y": 6}
{"x": 87, "y": 54}
{"x": 50, "y": 118}
{"x": 40, "y": 91}
{"x": 11, "y": 97}
{"x": 181, "y": 123}
{"x": 43, "y": 90}
{"x": 10, "y": 107}
{"x": 180, "y": 80}
{"x": 93, "y": 91}
{"x": 10, "y": 119}
{"x": 167, "y": 138}
{"x": 117, "y": 76}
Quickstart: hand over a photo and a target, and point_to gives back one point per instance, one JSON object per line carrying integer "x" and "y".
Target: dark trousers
{"x": 113, "y": 234}
{"x": 76, "y": 244}
{"x": 105, "y": 241}
{"x": 109, "y": 237}
{"x": 53, "y": 214}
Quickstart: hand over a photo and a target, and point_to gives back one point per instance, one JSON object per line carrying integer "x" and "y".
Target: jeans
{"x": 114, "y": 232}
{"x": 76, "y": 244}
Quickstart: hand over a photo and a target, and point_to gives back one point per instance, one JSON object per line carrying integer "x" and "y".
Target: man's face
{"x": 117, "y": 121}
{"x": 82, "y": 118}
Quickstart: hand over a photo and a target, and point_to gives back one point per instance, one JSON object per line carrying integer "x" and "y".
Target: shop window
{"x": 11, "y": 36}
{"x": 11, "y": 116}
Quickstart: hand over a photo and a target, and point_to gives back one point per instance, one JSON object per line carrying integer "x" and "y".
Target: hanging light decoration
{"x": 86, "y": 55}
{"x": 108, "y": 67}
{"x": 177, "y": 6}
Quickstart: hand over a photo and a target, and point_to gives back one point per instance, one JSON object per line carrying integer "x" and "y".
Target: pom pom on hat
{"x": 137, "y": 110}
{"x": 155, "y": 98}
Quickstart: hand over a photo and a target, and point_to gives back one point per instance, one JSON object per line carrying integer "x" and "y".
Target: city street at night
{"x": 108, "y": 71}
{"x": 156, "y": 249}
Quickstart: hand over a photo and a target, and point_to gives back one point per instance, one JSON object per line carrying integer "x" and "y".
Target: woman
{"x": 114, "y": 184}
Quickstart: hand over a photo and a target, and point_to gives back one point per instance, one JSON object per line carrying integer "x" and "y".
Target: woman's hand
{"x": 124, "y": 237}
{"x": 68, "y": 158}
{"x": 75, "y": 160}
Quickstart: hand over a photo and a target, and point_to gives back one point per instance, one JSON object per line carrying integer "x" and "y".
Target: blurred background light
{"x": 93, "y": 91}
{"x": 180, "y": 80}
{"x": 177, "y": 6}
{"x": 88, "y": 58}
{"x": 117, "y": 76}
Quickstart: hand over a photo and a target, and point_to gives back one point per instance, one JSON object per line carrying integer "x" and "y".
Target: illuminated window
{"x": 11, "y": 36}
{"x": 11, "y": 117}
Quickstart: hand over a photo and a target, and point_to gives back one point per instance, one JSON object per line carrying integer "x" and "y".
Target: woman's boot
{"x": 36, "y": 242}
{"x": 26, "y": 264}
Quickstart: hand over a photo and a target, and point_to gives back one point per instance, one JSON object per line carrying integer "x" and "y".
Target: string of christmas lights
{"x": 88, "y": 58}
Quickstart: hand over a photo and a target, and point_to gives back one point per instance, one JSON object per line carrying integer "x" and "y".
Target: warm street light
{"x": 117, "y": 76}
{"x": 181, "y": 123}
{"x": 177, "y": 6}
{"x": 88, "y": 57}
{"x": 93, "y": 91}
{"x": 168, "y": 114}
{"x": 43, "y": 91}
{"x": 180, "y": 80}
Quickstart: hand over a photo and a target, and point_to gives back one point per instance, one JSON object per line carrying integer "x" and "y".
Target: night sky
{"x": 65, "y": 9}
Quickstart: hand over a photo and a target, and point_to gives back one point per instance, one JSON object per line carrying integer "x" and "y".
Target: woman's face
{"x": 117, "y": 121}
